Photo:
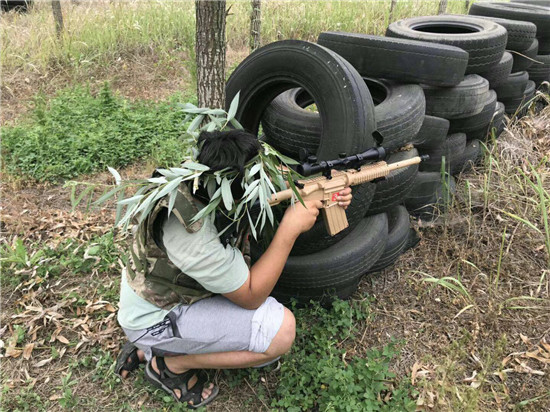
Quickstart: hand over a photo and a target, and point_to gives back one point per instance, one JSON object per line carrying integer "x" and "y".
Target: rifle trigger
{"x": 298, "y": 184}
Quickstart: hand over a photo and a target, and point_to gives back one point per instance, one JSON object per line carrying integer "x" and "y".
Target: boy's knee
{"x": 285, "y": 336}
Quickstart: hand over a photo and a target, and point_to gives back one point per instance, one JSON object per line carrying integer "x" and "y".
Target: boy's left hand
{"x": 344, "y": 197}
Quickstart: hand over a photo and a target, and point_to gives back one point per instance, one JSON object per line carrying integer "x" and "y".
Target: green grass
{"x": 37, "y": 263}
{"x": 318, "y": 375}
{"x": 78, "y": 133}
{"x": 99, "y": 32}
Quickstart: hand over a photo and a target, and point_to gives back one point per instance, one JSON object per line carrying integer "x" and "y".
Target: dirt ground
{"x": 487, "y": 344}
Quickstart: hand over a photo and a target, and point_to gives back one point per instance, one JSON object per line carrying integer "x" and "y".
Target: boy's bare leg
{"x": 280, "y": 344}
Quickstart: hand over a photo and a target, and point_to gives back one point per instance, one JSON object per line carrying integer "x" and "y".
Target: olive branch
{"x": 264, "y": 175}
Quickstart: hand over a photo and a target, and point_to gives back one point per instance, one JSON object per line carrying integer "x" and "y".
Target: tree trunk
{"x": 467, "y": 5}
{"x": 210, "y": 52}
{"x": 255, "y": 25}
{"x": 392, "y": 10}
{"x": 442, "y": 7}
{"x": 58, "y": 17}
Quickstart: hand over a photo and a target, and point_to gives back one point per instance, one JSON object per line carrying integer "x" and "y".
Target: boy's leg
{"x": 280, "y": 345}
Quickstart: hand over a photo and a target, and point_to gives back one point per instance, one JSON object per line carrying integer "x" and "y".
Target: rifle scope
{"x": 311, "y": 166}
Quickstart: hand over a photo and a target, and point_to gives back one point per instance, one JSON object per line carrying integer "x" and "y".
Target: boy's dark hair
{"x": 230, "y": 149}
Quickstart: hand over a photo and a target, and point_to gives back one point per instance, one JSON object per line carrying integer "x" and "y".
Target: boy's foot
{"x": 187, "y": 386}
{"x": 129, "y": 359}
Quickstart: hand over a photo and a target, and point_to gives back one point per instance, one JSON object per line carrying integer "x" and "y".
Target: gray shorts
{"x": 211, "y": 325}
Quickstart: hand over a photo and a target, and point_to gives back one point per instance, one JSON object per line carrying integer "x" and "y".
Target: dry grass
{"x": 481, "y": 348}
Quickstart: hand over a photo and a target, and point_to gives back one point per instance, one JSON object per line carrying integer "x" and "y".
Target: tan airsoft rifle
{"x": 335, "y": 176}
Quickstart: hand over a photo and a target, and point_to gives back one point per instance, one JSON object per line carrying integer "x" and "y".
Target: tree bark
{"x": 255, "y": 25}
{"x": 58, "y": 17}
{"x": 210, "y": 52}
{"x": 442, "y": 7}
{"x": 392, "y": 10}
{"x": 467, "y": 5}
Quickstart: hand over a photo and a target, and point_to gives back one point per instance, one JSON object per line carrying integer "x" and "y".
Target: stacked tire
{"x": 528, "y": 25}
{"x": 430, "y": 86}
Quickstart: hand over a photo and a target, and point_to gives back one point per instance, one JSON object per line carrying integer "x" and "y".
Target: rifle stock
{"x": 325, "y": 189}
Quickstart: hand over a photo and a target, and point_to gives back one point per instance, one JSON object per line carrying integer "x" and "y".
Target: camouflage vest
{"x": 150, "y": 272}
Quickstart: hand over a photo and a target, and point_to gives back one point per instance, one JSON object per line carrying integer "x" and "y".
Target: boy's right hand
{"x": 299, "y": 219}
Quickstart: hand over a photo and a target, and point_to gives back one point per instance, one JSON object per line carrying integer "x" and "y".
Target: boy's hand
{"x": 344, "y": 197}
{"x": 299, "y": 219}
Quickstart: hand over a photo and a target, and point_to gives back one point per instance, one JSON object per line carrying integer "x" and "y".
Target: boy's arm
{"x": 266, "y": 271}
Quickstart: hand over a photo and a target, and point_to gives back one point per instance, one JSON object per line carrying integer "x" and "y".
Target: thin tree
{"x": 57, "y": 17}
{"x": 210, "y": 52}
{"x": 255, "y": 25}
{"x": 466, "y": 5}
{"x": 442, "y": 7}
{"x": 392, "y": 10}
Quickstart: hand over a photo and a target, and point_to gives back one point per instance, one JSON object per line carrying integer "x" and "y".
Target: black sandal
{"x": 170, "y": 381}
{"x": 128, "y": 350}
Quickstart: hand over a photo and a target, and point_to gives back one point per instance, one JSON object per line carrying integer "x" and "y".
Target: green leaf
{"x": 250, "y": 187}
{"x": 178, "y": 171}
{"x": 226, "y": 194}
{"x": 172, "y": 201}
{"x": 195, "y": 110}
{"x": 233, "y": 107}
{"x": 173, "y": 184}
{"x": 196, "y": 166}
{"x": 216, "y": 112}
{"x": 131, "y": 200}
{"x": 211, "y": 127}
{"x": 119, "y": 207}
{"x": 207, "y": 210}
{"x": 195, "y": 123}
{"x": 108, "y": 195}
{"x": 165, "y": 172}
{"x": 254, "y": 169}
{"x": 235, "y": 123}
{"x": 118, "y": 179}
{"x": 158, "y": 180}
{"x": 252, "y": 228}
{"x": 294, "y": 189}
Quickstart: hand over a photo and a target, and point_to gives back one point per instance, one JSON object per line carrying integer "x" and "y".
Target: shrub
{"x": 77, "y": 133}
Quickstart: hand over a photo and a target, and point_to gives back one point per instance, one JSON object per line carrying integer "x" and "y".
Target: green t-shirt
{"x": 199, "y": 255}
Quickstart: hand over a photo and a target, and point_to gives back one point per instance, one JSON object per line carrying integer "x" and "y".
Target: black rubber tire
{"x": 524, "y": 59}
{"x": 469, "y": 157}
{"x": 392, "y": 190}
{"x": 544, "y": 3}
{"x": 451, "y": 149}
{"x": 317, "y": 238}
{"x": 320, "y": 275}
{"x": 544, "y": 45}
{"x": 499, "y": 122}
{"x": 430, "y": 195}
{"x": 399, "y": 112}
{"x": 520, "y": 33}
{"x": 478, "y": 122}
{"x": 499, "y": 74}
{"x": 288, "y": 126}
{"x": 518, "y": 106}
{"x": 496, "y": 122}
{"x": 406, "y": 61}
{"x": 399, "y": 226}
{"x": 484, "y": 40}
{"x": 433, "y": 132}
{"x": 538, "y": 15}
{"x": 343, "y": 100}
{"x": 540, "y": 72}
{"x": 464, "y": 100}
{"x": 514, "y": 87}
